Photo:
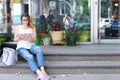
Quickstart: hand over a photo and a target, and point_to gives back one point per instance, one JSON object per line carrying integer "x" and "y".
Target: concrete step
{"x": 66, "y": 53}
{"x": 82, "y": 57}
{"x": 94, "y": 52}
{"x": 81, "y": 67}
{"x": 62, "y": 77}
{"x": 72, "y": 67}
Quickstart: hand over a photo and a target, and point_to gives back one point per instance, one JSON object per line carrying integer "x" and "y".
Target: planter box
{"x": 71, "y": 40}
{"x": 57, "y": 37}
{"x": 46, "y": 40}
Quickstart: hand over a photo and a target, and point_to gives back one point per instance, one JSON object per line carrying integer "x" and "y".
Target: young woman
{"x": 25, "y": 34}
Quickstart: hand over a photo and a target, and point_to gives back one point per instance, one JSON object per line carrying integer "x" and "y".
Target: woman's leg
{"x": 30, "y": 59}
{"x": 38, "y": 51}
{"x": 42, "y": 68}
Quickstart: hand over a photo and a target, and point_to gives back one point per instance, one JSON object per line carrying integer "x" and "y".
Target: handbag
{"x": 9, "y": 56}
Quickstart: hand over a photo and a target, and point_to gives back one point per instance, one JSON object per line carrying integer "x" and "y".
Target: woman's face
{"x": 25, "y": 20}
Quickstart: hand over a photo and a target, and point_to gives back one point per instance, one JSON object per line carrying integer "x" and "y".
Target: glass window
{"x": 62, "y": 8}
{"x": 109, "y": 26}
{"x": 79, "y": 11}
{"x": 82, "y": 17}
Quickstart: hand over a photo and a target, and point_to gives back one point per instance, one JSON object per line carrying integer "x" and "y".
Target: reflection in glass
{"x": 83, "y": 20}
{"x": 109, "y": 19}
{"x": 80, "y": 11}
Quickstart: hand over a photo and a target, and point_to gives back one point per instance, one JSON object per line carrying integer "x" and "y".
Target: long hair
{"x": 30, "y": 23}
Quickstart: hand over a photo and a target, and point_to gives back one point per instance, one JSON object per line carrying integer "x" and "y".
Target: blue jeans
{"x": 28, "y": 55}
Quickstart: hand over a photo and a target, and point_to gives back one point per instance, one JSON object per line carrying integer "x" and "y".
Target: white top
{"x": 24, "y": 43}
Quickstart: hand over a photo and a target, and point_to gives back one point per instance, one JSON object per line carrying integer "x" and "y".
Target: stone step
{"x": 74, "y": 60}
{"x": 62, "y": 77}
{"x": 98, "y": 52}
{"x": 82, "y": 57}
{"x": 68, "y": 57}
{"x": 73, "y": 67}
{"x": 82, "y": 64}
{"x": 76, "y": 50}
{"x": 94, "y": 55}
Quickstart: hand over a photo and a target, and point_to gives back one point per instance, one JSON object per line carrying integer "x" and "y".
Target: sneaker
{"x": 47, "y": 77}
{"x": 41, "y": 78}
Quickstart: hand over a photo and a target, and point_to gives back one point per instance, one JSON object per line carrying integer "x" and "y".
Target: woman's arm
{"x": 33, "y": 35}
{"x": 29, "y": 38}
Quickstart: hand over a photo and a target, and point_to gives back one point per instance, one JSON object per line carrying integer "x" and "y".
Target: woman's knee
{"x": 38, "y": 50}
{"x": 29, "y": 56}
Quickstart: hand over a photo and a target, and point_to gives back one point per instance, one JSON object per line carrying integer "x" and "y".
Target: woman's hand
{"x": 27, "y": 37}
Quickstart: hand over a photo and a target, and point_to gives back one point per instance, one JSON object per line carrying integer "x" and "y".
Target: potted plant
{"x": 3, "y": 38}
{"x": 45, "y": 38}
{"x": 57, "y": 34}
{"x": 84, "y": 36}
{"x": 70, "y": 37}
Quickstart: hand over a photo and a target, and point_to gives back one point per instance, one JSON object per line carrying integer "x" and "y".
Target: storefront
{"x": 80, "y": 10}
{"x": 90, "y": 16}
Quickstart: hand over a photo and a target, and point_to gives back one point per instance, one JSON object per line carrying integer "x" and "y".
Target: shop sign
{"x": 15, "y": 0}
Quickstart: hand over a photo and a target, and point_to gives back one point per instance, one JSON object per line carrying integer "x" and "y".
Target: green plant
{"x": 3, "y": 38}
{"x": 85, "y": 36}
{"x": 71, "y": 37}
{"x": 70, "y": 32}
{"x": 42, "y": 36}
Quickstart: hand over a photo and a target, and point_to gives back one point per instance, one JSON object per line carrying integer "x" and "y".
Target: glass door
{"x": 109, "y": 21}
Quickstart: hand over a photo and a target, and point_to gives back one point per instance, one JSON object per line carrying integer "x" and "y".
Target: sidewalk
{"x": 62, "y": 77}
